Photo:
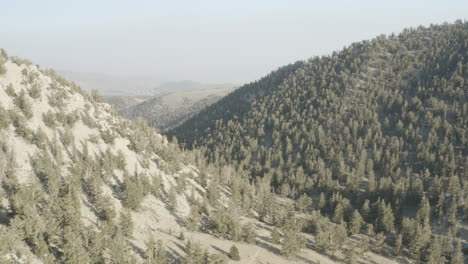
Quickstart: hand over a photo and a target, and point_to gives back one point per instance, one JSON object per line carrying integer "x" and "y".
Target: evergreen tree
{"x": 303, "y": 203}
{"x": 398, "y": 244}
{"x": 379, "y": 242}
{"x": 155, "y": 252}
{"x": 356, "y": 223}
{"x": 275, "y": 235}
{"x": 172, "y": 199}
{"x": 234, "y": 253}
{"x": 293, "y": 241}
{"x": 435, "y": 252}
{"x": 126, "y": 223}
{"x": 181, "y": 236}
{"x": 457, "y": 256}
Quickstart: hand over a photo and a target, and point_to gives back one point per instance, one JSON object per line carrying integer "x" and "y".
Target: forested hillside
{"x": 167, "y": 111}
{"x": 79, "y": 184}
{"x": 376, "y": 132}
{"x": 123, "y": 102}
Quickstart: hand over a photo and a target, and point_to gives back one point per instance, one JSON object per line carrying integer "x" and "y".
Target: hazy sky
{"x": 208, "y": 41}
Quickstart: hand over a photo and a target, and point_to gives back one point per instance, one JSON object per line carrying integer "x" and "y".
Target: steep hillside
{"x": 81, "y": 185}
{"x": 166, "y": 111}
{"x": 121, "y": 103}
{"x": 379, "y": 127}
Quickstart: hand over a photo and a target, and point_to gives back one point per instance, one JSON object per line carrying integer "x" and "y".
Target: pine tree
{"x": 275, "y": 235}
{"x": 126, "y": 223}
{"x": 379, "y": 242}
{"x": 338, "y": 213}
{"x": 322, "y": 201}
{"x": 424, "y": 212}
{"x": 248, "y": 233}
{"x": 365, "y": 210}
{"x": 303, "y": 203}
{"x": 181, "y": 236}
{"x": 386, "y": 219}
{"x": 234, "y": 253}
{"x": 172, "y": 199}
{"x": 194, "y": 217}
{"x": 457, "y": 256}
{"x": 194, "y": 253}
{"x": 155, "y": 252}
{"x": 435, "y": 252}
{"x": 133, "y": 191}
{"x": 351, "y": 256}
{"x": 398, "y": 244}
{"x": 356, "y": 223}
{"x": 293, "y": 241}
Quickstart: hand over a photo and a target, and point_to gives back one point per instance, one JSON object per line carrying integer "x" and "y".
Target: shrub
{"x": 35, "y": 91}
{"x": 2, "y": 67}
{"x": 58, "y": 99}
{"x": 71, "y": 118}
{"x": 93, "y": 138}
{"x": 3, "y": 54}
{"x": 120, "y": 160}
{"x": 67, "y": 137}
{"x": 10, "y": 90}
{"x": 49, "y": 119}
{"x": 181, "y": 236}
{"x": 40, "y": 139}
{"x": 21, "y": 129}
{"x": 108, "y": 137}
{"x": 4, "y": 118}
{"x": 23, "y": 104}
{"x": 126, "y": 223}
{"x": 88, "y": 120}
{"x": 96, "y": 97}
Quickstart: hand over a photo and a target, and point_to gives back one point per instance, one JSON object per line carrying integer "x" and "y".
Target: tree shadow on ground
{"x": 137, "y": 249}
{"x": 220, "y": 250}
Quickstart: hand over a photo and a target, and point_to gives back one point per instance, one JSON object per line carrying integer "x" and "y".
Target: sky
{"x": 207, "y": 41}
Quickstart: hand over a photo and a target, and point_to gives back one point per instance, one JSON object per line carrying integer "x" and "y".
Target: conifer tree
{"x": 292, "y": 241}
{"x": 398, "y": 244}
{"x": 155, "y": 252}
{"x": 303, "y": 203}
{"x": 194, "y": 217}
{"x": 181, "y": 236}
{"x": 126, "y": 223}
{"x": 275, "y": 235}
{"x": 379, "y": 242}
{"x": 248, "y": 233}
{"x": 356, "y": 223}
{"x": 234, "y": 253}
{"x": 435, "y": 252}
{"x": 350, "y": 256}
{"x": 172, "y": 199}
{"x": 457, "y": 256}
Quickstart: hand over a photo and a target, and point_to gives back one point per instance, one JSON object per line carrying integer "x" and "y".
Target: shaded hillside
{"x": 169, "y": 110}
{"x": 123, "y": 102}
{"x": 380, "y": 126}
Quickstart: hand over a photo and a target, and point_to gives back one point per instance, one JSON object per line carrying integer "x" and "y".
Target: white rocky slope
{"x": 45, "y": 119}
{"x": 59, "y": 99}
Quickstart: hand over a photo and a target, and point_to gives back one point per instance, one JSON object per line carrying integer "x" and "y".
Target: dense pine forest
{"x": 374, "y": 136}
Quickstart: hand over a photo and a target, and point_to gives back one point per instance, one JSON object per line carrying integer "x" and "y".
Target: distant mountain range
{"x": 119, "y": 85}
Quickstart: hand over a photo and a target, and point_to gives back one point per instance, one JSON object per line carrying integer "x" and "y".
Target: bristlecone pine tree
{"x": 234, "y": 253}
